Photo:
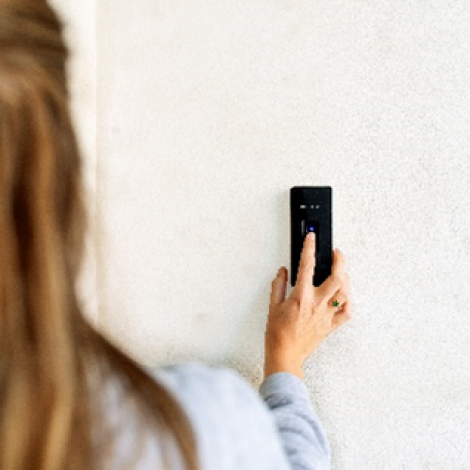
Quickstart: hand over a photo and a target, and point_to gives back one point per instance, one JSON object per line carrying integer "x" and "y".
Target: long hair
{"x": 51, "y": 414}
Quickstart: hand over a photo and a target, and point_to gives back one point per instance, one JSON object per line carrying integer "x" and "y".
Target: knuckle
{"x": 337, "y": 279}
{"x": 295, "y": 301}
{"x": 322, "y": 303}
{"x": 306, "y": 263}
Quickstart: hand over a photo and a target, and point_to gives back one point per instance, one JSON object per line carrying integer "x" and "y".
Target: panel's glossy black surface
{"x": 311, "y": 210}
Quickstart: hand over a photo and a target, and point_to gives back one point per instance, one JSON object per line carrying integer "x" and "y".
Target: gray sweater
{"x": 237, "y": 428}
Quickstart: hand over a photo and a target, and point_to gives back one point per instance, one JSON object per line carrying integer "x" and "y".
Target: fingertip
{"x": 338, "y": 254}
{"x": 280, "y": 273}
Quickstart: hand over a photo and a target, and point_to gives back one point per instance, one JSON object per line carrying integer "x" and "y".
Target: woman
{"x": 69, "y": 399}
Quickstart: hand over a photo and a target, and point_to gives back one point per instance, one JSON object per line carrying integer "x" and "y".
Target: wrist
{"x": 272, "y": 366}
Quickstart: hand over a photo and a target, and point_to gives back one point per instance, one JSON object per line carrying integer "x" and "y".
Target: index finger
{"x": 307, "y": 262}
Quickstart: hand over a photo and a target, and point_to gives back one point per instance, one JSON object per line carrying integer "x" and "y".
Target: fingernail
{"x": 311, "y": 235}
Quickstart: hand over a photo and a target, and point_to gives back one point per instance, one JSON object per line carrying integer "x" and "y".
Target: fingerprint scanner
{"x": 308, "y": 226}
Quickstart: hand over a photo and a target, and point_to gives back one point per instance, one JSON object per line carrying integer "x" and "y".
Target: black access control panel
{"x": 311, "y": 211}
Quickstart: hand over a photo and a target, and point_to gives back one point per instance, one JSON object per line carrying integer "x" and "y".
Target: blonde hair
{"x": 48, "y": 409}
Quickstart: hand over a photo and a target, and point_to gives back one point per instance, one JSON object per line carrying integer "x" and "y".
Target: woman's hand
{"x": 298, "y": 324}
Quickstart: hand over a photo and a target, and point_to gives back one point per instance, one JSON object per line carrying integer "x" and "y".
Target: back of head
{"x": 41, "y": 232}
{"x": 46, "y": 347}
{"x": 40, "y": 165}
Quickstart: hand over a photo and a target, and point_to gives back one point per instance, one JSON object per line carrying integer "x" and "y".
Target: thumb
{"x": 278, "y": 288}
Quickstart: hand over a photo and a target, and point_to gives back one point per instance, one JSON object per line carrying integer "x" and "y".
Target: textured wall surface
{"x": 208, "y": 112}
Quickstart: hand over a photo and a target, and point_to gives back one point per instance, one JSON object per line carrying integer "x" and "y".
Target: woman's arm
{"x": 302, "y": 434}
{"x": 235, "y": 430}
{"x": 295, "y": 328}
